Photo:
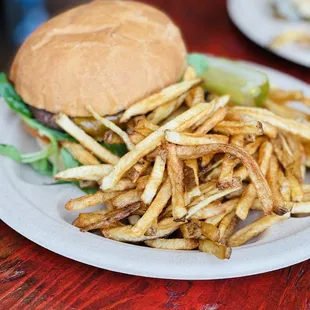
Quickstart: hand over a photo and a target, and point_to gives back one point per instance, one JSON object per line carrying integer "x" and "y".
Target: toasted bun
{"x": 109, "y": 54}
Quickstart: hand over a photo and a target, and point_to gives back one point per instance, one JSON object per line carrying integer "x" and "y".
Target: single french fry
{"x": 281, "y": 95}
{"x": 212, "y": 121}
{"x": 165, "y": 227}
{"x": 229, "y": 229}
{"x": 88, "y": 184}
{"x": 150, "y": 103}
{"x": 176, "y": 176}
{"x": 163, "y": 111}
{"x": 80, "y": 153}
{"x": 126, "y": 198}
{"x": 219, "y": 250}
{"x": 283, "y": 151}
{"x": 113, "y": 216}
{"x": 193, "y": 139}
{"x": 155, "y": 178}
{"x": 173, "y": 244}
{"x": 89, "y": 173}
{"x": 231, "y": 128}
{"x": 87, "y": 141}
{"x": 284, "y": 186}
{"x": 252, "y": 230}
{"x": 112, "y": 127}
{"x": 153, "y": 210}
{"x": 90, "y": 200}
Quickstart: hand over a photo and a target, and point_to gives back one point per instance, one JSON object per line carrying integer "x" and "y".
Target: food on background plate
{"x": 292, "y": 10}
{"x": 205, "y": 141}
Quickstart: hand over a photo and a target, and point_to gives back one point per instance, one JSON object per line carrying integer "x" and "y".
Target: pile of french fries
{"x": 194, "y": 169}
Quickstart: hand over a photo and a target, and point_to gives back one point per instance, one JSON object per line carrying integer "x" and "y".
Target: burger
{"x": 109, "y": 54}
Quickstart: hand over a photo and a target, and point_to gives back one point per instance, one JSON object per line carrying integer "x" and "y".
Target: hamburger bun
{"x": 109, "y": 54}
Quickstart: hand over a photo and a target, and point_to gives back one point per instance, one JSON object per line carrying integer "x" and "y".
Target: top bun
{"x": 109, "y": 54}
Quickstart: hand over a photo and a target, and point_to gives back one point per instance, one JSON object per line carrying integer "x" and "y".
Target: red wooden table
{"x": 34, "y": 278}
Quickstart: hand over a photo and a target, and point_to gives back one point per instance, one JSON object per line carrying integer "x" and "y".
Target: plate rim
{"x": 69, "y": 250}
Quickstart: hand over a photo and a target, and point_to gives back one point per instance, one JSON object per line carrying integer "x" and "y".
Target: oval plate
{"x": 249, "y": 15}
{"x": 36, "y": 210}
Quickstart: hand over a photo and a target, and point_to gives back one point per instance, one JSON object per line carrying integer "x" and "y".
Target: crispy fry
{"x": 150, "y": 103}
{"x": 225, "y": 222}
{"x": 147, "y": 145}
{"x": 217, "y": 249}
{"x": 163, "y": 111}
{"x": 229, "y": 230}
{"x": 176, "y": 175}
{"x": 193, "y": 139}
{"x": 80, "y": 153}
{"x": 112, "y": 216}
{"x": 87, "y": 141}
{"x": 90, "y": 200}
{"x": 89, "y": 173}
{"x": 283, "y": 151}
{"x": 122, "y": 185}
{"x": 269, "y": 130}
{"x": 153, "y": 210}
{"x": 205, "y": 160}
{"x": 165, "y": 227}
{"x": 287, "y": 125}
{"x": 173, "y": 244}
{"x": 210, "y": 231}
{"x": 136, "y": 138}
{"x": 155, "y": 179}
{"x": 257, "y": 178}
{"x": 231, "y": 128}
{"x": 252, "y": 230}
{"x": 126, "y": 198}
{"x": 112, "y": 127}
{"x": 144, "y": 127}
{"x": 215, "y": 118}
{"x": 141, "y": 182}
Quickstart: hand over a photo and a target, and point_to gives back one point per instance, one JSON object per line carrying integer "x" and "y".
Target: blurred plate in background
{"x": 256, "y": 20}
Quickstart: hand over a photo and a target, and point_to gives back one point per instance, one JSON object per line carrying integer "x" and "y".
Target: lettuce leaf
{"x": 43, "y": 167}
{"x": 9, "y": 94}
{"x": 198, "y": 61}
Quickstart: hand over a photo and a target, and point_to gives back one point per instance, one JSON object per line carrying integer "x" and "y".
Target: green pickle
{"x": 246, "y": 86}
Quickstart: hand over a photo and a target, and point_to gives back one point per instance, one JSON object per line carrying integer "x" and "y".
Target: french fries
{"x": 87, "y": 141}
{"x": 112, "y": 127}
{"x": 252, "y": 230}
{"x": 193, "y": 170}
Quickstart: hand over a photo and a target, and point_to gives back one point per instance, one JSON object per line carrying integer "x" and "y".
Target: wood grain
{"x": 32, "y": 277}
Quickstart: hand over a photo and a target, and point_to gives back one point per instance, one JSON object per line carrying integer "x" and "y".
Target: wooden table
{"x": 34, "y": 278}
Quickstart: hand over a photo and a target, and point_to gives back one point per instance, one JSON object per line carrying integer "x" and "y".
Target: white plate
{"x": 255, "y": 19}
{"x": 37, "y": 212}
